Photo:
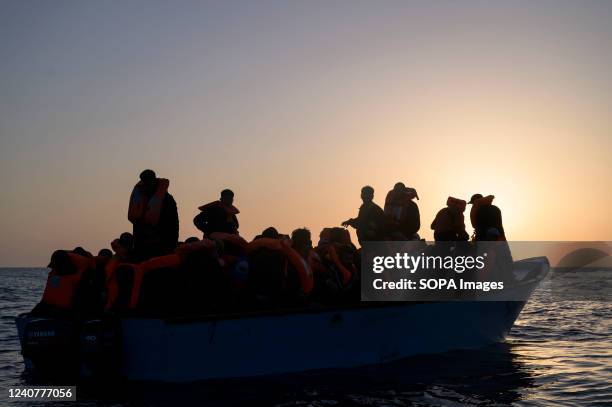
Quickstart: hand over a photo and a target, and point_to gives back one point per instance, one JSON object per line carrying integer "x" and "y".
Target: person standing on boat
{"x": 154, "y": 217}
{"x": 402, "y": 212}
{"x": 370, "y": 221}
{"x": 218, "y": 216}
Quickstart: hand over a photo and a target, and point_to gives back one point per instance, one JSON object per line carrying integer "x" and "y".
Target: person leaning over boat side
{"x": 154, "y": 217}
{"x": 64, "y": 289}
{"x": 449, "y": 223}
{"x": 370, "y": 222}
{"x": 402, "y": 213}
{"x": 218, "y": 216}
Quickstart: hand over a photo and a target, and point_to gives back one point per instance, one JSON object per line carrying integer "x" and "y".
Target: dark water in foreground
{"x": 558, "y": 353}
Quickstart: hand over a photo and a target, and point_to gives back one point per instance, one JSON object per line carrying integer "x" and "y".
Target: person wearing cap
{"x": 370, "y": 221}
{"x": 404, "y": 219}
{"x": 477, "y": 201}
{"x": 154, "y": 216}
{"x": 218, "y": 216}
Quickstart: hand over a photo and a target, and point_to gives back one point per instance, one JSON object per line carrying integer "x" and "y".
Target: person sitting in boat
{"x": 402, "y": 213}
{"x": 489, "y": 225}
{"x": 277, "y": 273}
{"x": 477, "y": 200}
{"x": 218, "y": 216}
{"x": 154, "y": 217}
{"x": 269, "y": 232}
{"x": 370, "y": 222}
{"x": 337, "y": 254}
{"x": 490, "y": 238}
{"x": 449, "y": 223}
{"x": 64, "y": 291}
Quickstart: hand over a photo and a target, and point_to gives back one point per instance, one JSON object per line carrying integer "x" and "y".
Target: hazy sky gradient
{"x": 295, "y": 106}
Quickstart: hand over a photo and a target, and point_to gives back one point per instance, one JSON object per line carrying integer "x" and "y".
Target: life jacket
{"x": 229, "y": 209}
{"x": 327, "y": 251}
{"x": 304, "y": 274}
{"x": 168, "y": 261}
{"x": 138, "y": 272}
{"x": 61, "y": 288}
{"x": 147, "y": 211}
{"x": 456, "y": 203}
{"x": 396, "y": 203}
{"x": 111, "y": 285}
{"x": 476, "y": 205}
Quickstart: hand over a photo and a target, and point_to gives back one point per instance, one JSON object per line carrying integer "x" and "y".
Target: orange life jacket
{"x": 169, "y": 261}
{"x": 477, "y": 204}
{"x": 61, "y": 288}
{"x": 139, "y": 270}
{"x": 229, "y": 209}
{"x": 112, "y": 289}
{"x": 147, "y": 211}
{"x": 328, "y": 251}
{"x": 300, "y": 265}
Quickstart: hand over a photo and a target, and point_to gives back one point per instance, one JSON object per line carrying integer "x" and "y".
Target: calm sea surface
{"x": 558, "y": 353}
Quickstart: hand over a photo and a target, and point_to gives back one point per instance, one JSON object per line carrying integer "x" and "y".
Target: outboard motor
{"x": 50, "y": 347}
{"x": 100, "y": 348}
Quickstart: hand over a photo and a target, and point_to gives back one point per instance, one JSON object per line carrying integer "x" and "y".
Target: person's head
{"x": 192, "y": 239}
{"x": 149, "y": 180}
{"x": 227, "y": 196}
{"x": 301, "y": 239}
{"x": 127, "y": 241}
{"x": 105, "y": 253}
{"x": 474, "y": 198}
{"x": 367, "y": 193}
{"x": 489, "y": 216}
{"x": 80, "y": 251}
{"x": 399, "y": 187}
{"x": 270, "y": 232}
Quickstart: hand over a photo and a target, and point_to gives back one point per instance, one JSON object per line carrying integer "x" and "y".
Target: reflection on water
{"x": 558, "y": 353}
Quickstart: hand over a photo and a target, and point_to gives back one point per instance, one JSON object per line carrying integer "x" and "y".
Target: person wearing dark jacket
{"x": 218, "y": 216}
{"x": 154, "y": 217}
{"x": 402, "y": 212}
{"x": 370, "y": 221}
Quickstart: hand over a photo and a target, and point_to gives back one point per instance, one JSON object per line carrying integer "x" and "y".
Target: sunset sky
{"x": 297, "y": 105}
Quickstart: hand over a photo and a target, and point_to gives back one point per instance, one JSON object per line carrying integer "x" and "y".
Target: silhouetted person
{"x": 154, "y": 217}
{"x": 269, "y": 232}
{"x": 489, "y": 225}
{"x": 402, "y": 212}
{"x": 370, "y": 222}
{"x": 449, "y": 223}
{"x": 477, "y": 201}
{"x": 301, "y": 241}
{"x": 218, "y": 216}
{"x": 107, "y": 253}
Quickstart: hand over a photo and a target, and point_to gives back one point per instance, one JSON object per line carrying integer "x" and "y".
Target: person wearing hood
{"x": 218, "y": 216}
{"x": 154, "y": 216}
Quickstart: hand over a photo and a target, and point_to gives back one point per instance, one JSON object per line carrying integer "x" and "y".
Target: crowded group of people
{"x": 149, "y": 271}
